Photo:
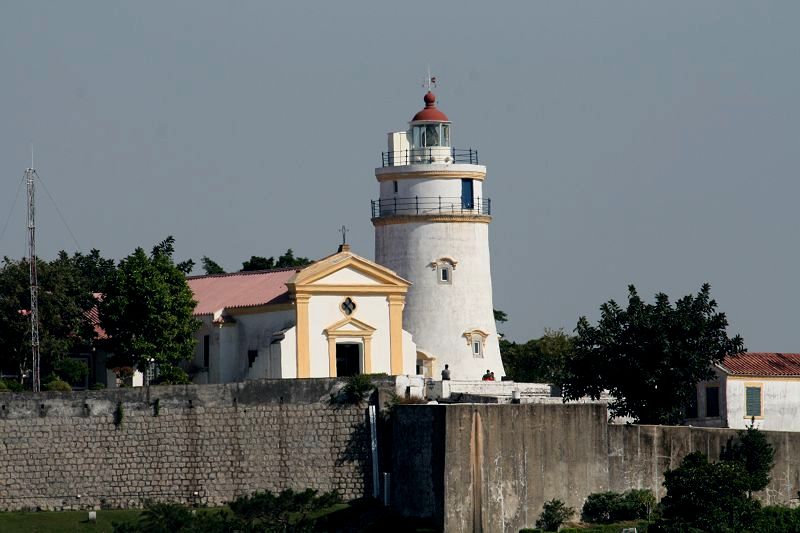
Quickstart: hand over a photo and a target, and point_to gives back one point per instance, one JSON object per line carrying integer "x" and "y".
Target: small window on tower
{"x": 477, "y": 348}
{"x": 395, "y": 187}
{"x": 445, "y": 274}
{"x": 476, "y": 340}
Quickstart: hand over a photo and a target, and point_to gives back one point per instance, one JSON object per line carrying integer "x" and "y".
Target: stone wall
{"x": 494, "y": 466}
{"x": 206, "y": 444}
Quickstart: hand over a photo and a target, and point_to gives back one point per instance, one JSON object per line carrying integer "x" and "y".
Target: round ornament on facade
{"x": 348, "y": 306}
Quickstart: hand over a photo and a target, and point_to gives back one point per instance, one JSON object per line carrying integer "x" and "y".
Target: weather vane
{"x": 344, "y": 231}
{"x": 430, "y": 81}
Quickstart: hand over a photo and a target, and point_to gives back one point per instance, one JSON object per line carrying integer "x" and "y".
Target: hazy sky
{"x": 626, "y": 142}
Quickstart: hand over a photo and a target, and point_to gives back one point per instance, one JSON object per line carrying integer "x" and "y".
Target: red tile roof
{"x": 762, "y": 364}
{"x": 93, "y": 315}
{"x": 240, "y": 289}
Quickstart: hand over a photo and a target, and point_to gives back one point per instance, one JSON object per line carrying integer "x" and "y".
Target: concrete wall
{"x": 207, "y": 445}
{"x": 502, "y": 462}
{"x": 639, "y": 455}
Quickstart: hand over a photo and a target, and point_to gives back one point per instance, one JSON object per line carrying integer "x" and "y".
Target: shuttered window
{"x": 753, "y": 401}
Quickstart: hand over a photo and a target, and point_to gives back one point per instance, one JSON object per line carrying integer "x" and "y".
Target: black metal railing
{"x": 431, "y": 205}
{"x": 432, "y": 154}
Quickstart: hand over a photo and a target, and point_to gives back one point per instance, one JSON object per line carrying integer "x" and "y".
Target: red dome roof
{"x": 430, "y": 112}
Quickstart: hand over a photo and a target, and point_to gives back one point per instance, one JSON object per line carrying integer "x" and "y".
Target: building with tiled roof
{"x": 339, "y": 316}
{"x": 762, "y": 387}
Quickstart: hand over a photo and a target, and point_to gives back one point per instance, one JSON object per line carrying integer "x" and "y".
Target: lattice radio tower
{"x": 30, "y": 176}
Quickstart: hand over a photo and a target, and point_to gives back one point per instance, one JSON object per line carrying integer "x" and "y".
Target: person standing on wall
{"x": 446, "y": 373}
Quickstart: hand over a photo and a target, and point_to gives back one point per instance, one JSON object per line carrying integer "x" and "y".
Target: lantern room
{"x": 427, "y": 141}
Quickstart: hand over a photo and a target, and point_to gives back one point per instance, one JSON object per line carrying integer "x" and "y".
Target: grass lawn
{"x": 66, "y": 521}
{"x": 354, "y": 517}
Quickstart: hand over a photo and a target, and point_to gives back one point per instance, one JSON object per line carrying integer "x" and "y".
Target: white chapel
{"x": 339, "y": 316}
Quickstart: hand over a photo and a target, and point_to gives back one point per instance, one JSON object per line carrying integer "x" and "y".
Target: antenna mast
{"x": 30, "y": 174}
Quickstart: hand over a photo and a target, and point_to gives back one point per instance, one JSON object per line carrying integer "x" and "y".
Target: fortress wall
{"x": 207, "y": 444}
{"x": 502, "y": 462}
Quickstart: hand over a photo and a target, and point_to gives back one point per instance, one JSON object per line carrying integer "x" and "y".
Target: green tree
{"x": 266, "y": 263}
{"x": 757, "y": 456}
{"x": 289, "y": 260}
{"x": 258, "y": 263}
{"x": 707, "y": 496}
{"x": 94, "y": 270}
{"x": 649, "y": 356}
{"x": 147, "y": 310}
{"x": 64, "y": 299}
{"x": 210, "y": 266}
{"x": 539, "y": 360}
{"x": 500, "y": 316}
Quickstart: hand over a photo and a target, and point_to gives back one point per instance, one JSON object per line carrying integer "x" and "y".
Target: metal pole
{"x": 373, "y": 425}
{"x": 34, "y": 314}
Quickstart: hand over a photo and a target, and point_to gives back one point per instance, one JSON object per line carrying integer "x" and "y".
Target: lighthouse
{"x": 432, "y": 228}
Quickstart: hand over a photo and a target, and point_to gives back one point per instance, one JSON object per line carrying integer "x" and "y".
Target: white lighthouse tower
{"x": 432, "y": 228}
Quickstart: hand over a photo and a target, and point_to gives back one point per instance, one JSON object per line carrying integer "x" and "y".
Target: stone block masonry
{"x": 206, "y": 445}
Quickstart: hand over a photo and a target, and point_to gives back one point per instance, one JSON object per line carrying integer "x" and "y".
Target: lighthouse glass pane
{"x": 418, "y": 137}
{"x": 432, "y": 135}
{"x": 445, "y": 134}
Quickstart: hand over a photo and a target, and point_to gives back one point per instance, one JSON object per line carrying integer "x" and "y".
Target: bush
{"x": 57, "y": 385}
{"x": 530, "y": 530}
{"x": 357, "y": 388}
{"x": 71, "y": 370}
{"x": 97, "y": 386}
{"x": 636, "y": 504}
{"x": 778, "y": 519}
{"x": 164, "y": 517}
{"x": 171, "y": 375}
{"x": 3, "y": 386}
{"x": 14, "y": 385}
{"x": 607, "y": 507}
{"x": 601, "y": 507}
{"x": 554, "y": 513}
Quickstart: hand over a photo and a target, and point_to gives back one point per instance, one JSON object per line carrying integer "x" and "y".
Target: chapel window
{"x": 348, "y": 306}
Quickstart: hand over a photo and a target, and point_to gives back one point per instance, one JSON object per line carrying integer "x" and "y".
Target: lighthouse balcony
{"x": 431, "y": 205}
{"x": 429, "y": 155}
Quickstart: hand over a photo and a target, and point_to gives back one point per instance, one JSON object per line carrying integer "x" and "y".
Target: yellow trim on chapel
{"x": 302, "y": 334}
{"x": 301, "y": 288}
{"x": 396, "y": 304}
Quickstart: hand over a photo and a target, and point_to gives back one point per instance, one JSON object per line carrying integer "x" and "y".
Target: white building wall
{"x": 324, "y": 311}
{"x": 438, "y": 314}
{"x": 429, "y": 188}
{"x": 409, "y": 354}
{"x": 255, "y": 333}
{"x": 229, "y": 344}
{"x": 780, "y": 403}
{"x": 288, "y": 354}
